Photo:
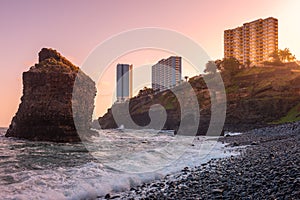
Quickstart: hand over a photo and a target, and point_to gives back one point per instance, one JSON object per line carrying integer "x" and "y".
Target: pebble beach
{"x": 268, "y": 167}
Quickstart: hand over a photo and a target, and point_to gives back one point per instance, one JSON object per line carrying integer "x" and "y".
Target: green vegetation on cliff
{"x": 292, "y": 116}
{"x": 255, "y": 96}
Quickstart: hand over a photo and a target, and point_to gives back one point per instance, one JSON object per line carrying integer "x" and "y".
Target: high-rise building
{"x": 254, "y": 41}
{"x": 124, "y": 82}
{"x": 166, "y": 73}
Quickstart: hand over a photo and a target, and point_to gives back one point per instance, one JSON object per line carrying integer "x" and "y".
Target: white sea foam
{"x": 233, "y": 133}
{"x": 60, "y": 179}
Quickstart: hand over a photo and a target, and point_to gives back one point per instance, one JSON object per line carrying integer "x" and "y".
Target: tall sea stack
{"x": 47, "y": 107}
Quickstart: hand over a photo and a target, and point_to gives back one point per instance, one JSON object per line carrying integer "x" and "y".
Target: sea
{"x": 111, "y": 162}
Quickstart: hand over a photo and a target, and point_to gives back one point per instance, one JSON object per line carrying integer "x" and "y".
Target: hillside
{"x": 263, "y": 96}
{"x": 256, "y": 97}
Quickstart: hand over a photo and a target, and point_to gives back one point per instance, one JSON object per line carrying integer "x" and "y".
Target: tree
{"x": 219, "y": 64}
{"x": 186, "y": 78}
{"x": 280, "y": 56}
{"x": 146, "y": 91}
{"x": 285, "y": 55}
{"x": 275, "y": 57}
{"x": 210, "y": 67}
{"x": 231, "y": 65}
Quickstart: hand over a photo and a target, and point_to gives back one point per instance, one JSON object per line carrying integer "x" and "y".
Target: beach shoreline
{"x": 268, "y": 167}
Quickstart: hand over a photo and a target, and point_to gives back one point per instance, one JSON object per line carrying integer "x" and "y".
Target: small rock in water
{"x": 115, "y": 197}
{"x": 186, "y": 169}
{"x": 107, "y": 196}
{"x": 235, "y": 144}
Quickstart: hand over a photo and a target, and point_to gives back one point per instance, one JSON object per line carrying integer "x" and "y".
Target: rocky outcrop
{"x": 139, "y": 108}
{"x": 50, "y": 102}
{"x": 256, "y": 97}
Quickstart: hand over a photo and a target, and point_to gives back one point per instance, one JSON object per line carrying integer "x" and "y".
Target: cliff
{"x": 45, "y": 112}
{"x": 262, "y": 96}
{"x": 256, "y": 97}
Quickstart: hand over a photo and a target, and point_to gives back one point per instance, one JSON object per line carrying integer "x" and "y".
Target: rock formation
{"x": 139, "y": 107}
{"x": 45, "y": 112}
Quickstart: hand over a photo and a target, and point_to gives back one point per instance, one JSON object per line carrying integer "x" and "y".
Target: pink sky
{"x": 74, "y": 28}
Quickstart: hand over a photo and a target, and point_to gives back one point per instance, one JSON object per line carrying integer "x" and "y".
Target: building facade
{"x": 166, "y": 73}
{"x": 124, "y": 82}
{"x": 253, "y": 42}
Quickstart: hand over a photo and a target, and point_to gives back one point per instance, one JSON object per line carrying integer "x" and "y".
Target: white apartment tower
{"x": 166, "y": 73}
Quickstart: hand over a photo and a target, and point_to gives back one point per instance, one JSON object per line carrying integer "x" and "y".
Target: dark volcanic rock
{"x": 46, "y": 111}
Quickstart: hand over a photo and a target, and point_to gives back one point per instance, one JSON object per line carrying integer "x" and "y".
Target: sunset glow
{"x": 75, "y": 28}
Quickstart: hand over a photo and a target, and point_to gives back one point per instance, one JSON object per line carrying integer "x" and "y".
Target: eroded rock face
{"x": 45, "y": 112}
{"x": 255, "y": 97}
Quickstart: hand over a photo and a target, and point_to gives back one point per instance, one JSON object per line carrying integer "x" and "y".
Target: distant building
{"x": 254, "y": 41}
{"x": 166, "y": 73}
{"x": 124, "y": 82}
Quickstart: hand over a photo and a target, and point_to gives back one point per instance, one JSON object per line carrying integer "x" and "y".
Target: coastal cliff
{"x": 256, "y": 97}
{"x": 45, "y": 112}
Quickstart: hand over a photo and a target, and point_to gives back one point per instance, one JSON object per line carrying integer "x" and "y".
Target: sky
{"x": 75, "y": 28}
